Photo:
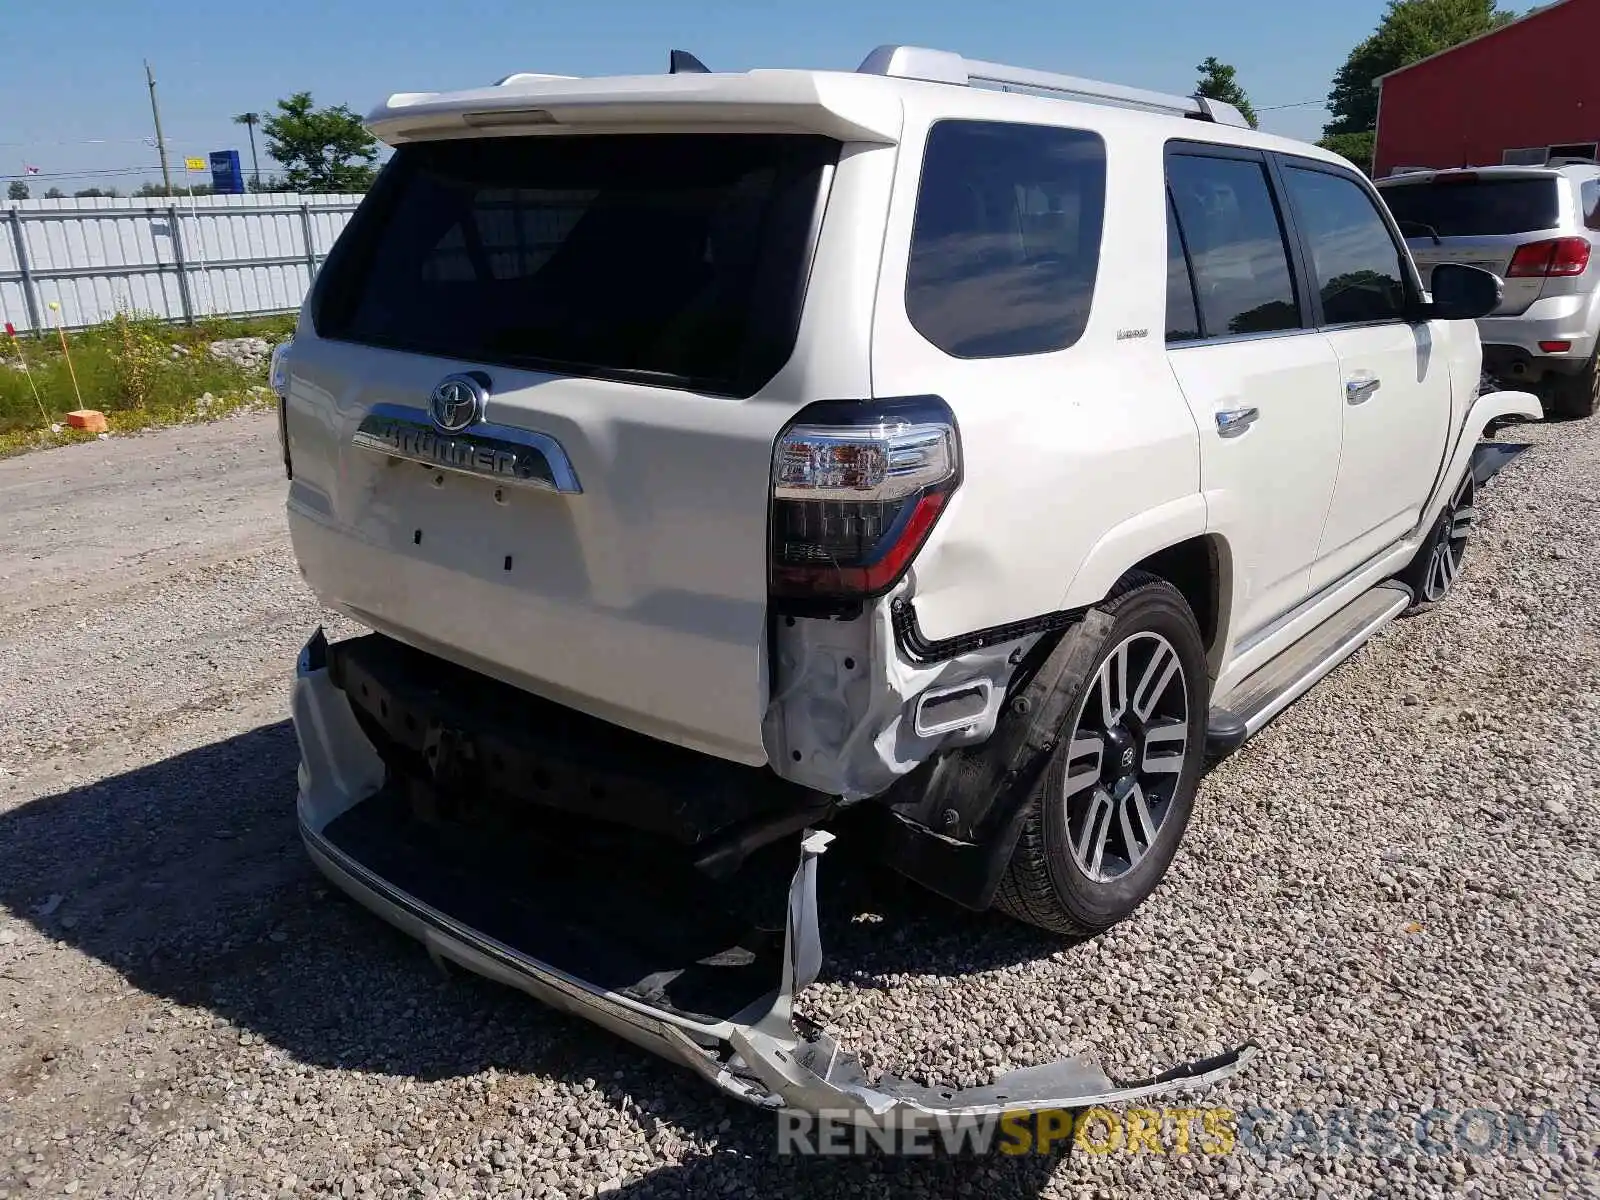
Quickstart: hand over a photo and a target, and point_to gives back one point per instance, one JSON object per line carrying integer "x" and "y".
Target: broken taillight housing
{"x": 856, "y": 488}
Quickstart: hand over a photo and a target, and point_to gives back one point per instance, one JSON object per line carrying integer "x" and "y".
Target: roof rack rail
{"x": 943, "y": 66}
{"x": 526, "y": 76}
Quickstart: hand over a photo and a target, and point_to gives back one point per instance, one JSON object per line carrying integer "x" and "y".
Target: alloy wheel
{"x": 1126, "y": 755}
{"x": 1450, "y": 543}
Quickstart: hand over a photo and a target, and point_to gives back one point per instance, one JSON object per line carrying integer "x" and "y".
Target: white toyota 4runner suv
{"x": 714, "y": 453}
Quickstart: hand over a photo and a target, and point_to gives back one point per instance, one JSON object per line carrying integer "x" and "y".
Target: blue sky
{"x": 72, "y": 70}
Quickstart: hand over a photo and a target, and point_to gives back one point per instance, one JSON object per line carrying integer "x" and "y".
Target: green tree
{"x": 1357, "y": 147}
{"x": 1410, "y": 30}
{"x": 91, "y": 192}
{"x": 17, "y": 191}
{"x": 55, "y": 193}
{"x": 158, "y": 189}
{"x": 322, "y": 149}
{"x": 1219, "y": 81}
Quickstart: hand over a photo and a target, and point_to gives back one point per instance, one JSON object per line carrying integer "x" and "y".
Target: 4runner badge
{"x": 504, "y": 453}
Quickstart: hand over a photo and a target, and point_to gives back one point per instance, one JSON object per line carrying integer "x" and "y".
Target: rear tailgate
{"x": 599, "y": 535}
{"x": 1480, "y": 219}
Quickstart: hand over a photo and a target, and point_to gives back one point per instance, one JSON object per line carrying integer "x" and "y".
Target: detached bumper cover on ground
{"x": 766, "y": 1056}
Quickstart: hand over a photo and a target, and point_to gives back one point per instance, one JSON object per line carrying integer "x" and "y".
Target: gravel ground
{"x": 1392, "y": 891}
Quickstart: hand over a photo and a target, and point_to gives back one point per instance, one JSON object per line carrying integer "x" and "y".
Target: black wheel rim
{"x": 1450, "y": 544}
{"x": 1128, "y": 749}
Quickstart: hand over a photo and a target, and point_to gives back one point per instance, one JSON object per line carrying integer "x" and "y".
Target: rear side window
{"x": 1236, "y": 245}
{"x": 1590, "y": 199}
{"x": 1353, "y": 255}
{"x": 1469, "y": 206}
{"x": 674, "y": 259}
{"x": 1006, "y": 242}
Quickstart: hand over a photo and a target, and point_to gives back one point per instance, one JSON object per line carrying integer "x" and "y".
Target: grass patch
{"x": 139, "y": 371}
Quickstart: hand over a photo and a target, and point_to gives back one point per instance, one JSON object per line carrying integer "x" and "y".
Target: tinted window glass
{"x": 1241, "y": 265}
{"x": 1183, "y": 319}
{"x": 1590, "y": 199}
{"x": 1007, "y": 238}
{"x": 673, "y": 258}
{"x": 1465, "y": 205}
{"x": 1354, "y": 258}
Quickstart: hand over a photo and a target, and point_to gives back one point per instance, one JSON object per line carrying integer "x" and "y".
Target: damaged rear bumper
{"x": 766, "y": 1055}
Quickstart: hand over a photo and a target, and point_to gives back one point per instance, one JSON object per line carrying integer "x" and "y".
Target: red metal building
{"x": 1525, "y": 91}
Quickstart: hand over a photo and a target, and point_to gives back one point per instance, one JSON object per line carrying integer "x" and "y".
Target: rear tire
{"x": 1574, "y": 397}
{"x": 1106, "y": 816}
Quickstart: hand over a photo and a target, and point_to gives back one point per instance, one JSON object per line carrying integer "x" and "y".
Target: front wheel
{"x": 1432, "y": 573}
{"x": 1106, "y": 817}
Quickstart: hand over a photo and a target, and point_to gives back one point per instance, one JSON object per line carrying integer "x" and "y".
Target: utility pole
{"x": 161, "y": 142}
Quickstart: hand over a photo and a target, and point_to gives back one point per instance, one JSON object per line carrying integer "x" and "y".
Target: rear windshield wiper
{"x": 1424, "y": 228}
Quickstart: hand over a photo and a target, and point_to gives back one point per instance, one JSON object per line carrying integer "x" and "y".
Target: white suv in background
{"x": 719, "y": 458}
{"x": 1536, "y": 228}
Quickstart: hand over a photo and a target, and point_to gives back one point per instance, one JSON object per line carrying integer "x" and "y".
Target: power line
{"x": 189, "y": 135}
{"x": 82, "y": 174}
{"x": 1318, "y": 103}
{"x": 81, "y": 142}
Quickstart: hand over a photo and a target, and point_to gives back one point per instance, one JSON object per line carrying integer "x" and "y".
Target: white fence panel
{"x": 178, "y": 258}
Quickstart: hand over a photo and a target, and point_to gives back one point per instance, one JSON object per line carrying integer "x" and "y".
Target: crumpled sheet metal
{"x": 776, "y": 1066}
{"x": 766, "y": 1056}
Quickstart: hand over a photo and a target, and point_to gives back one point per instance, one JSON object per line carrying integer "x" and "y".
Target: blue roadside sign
{"x": 227, "y": 179}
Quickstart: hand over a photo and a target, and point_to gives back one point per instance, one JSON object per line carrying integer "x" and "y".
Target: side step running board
{"x": 1283, "y": 680}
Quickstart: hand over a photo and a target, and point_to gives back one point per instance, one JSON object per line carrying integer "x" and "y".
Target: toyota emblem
{"x": 456, "y": 403}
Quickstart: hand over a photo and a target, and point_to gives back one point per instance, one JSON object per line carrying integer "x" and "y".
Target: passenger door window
{"x": 1359, "y": 269}
{"x": 1236, "y": 244}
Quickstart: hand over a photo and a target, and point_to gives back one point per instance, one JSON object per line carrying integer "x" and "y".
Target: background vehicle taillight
{"x": 1556, "y": 257}
{"x": 856, "y": 488}
{"x": 278, "y": 381}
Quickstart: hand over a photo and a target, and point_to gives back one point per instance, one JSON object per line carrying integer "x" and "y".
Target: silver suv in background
{"x": 1535, "y": 227}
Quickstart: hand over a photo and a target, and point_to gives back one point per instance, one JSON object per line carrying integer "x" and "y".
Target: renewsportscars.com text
{"x": 1206, "y": 1130}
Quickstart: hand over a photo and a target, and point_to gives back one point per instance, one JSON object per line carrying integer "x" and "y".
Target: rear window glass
{"x": 676, "y": 259}
{"x": 1482, "y": 206}
{"x": 1007, "y": 237}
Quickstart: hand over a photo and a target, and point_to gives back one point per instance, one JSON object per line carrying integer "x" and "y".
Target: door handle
{"x": 1231, "y": 422}
{"x": 1359, "y": 389}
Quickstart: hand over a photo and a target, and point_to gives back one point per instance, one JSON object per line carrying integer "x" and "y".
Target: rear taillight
{"x": 1553, "y": 258}
{"x": 278, "y": 381}
{"x": 856, "y": 488}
